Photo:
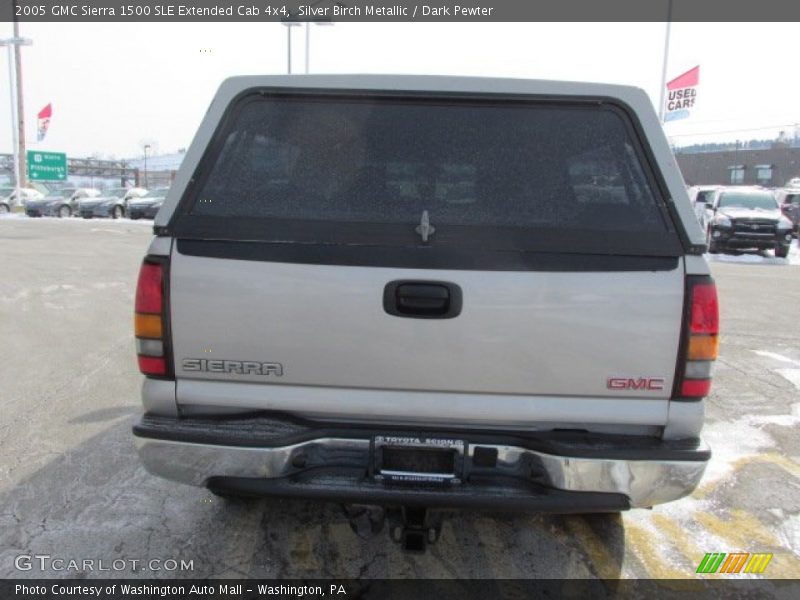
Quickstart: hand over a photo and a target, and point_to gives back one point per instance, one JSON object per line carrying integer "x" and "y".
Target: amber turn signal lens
{"x": 147, "y": 326}
{"x": 703, "y": 347}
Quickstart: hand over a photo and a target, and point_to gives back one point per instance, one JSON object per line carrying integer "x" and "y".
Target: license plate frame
{"x": 418, "y": 460}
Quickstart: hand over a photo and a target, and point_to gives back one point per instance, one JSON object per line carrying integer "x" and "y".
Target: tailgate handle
{"x": 422, "y": 299}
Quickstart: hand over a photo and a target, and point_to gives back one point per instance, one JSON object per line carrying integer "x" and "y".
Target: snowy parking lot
{"x": 71, "y": 485}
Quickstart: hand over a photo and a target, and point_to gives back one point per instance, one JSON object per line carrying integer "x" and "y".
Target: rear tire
{"x": 117, "y": 212}
{"x": 64, "y": 211}
{"x": 4, "y": 208}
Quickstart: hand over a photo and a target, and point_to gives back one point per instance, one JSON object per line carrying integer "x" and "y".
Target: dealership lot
{"x": 71, "y": 486}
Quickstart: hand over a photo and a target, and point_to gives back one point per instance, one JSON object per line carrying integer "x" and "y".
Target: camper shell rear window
{"x": 495, "y": 174}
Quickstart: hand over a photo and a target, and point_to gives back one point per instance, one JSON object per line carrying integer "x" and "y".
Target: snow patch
{"x": 103, "y": 286}
{"x": 19, "y": 295}
{"x": 792, "y": 259}
{"x": 779, "y": 357}
{"x": 108, "y": 230}
{"x": 112, "y": 222}
{"x": 789, "y": 532}
{"x": 793, "y": 375}
{"x": 776, "y": 512}
{"x": 732, "y": 441}
{"x": 49, "y": 289}
{"x": 789, "y": 420}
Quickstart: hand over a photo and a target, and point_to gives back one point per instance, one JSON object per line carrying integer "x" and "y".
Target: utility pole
{"x": 12, "y": 104}
{"x": 664, "y": 66}
{"x": 289, "y": 24}
{"x": 23, "y": 172}
{"x": 11, "y": 43}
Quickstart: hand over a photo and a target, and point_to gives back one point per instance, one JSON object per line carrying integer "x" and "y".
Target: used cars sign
{"x": 682, "y": 95}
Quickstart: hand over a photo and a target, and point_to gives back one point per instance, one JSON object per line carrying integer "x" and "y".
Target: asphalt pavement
{"x": 72, "y": 488}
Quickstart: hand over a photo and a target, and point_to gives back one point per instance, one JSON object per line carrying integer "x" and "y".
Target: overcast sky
{"x": 114, "y": 86}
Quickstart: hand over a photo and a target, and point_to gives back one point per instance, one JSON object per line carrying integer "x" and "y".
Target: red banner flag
{"x": 44, "y": 122}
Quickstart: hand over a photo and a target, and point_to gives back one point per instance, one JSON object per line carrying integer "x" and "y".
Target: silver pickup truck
{"x": 428, "y": 293}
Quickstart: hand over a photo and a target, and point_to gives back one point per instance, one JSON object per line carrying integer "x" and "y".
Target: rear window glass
{"x": 467, "y": 164}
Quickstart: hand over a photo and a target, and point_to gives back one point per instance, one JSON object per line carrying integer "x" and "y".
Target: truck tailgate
{"x": 531, "y": 333}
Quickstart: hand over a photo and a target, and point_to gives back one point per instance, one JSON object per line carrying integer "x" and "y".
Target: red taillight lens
{"x": 149, "y": 294}
{"x": 705, "y": 309}
{"x": 695, "y": 388}
{"x": 702, "y": 341}
{"x": 151, "y": 365}
{"x": 150, "y": 319}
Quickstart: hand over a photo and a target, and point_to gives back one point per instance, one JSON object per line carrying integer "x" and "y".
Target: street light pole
{"x": 10, "y": 43}
{"x": 289, "y": 25}
{"x": 146, "y": 148}
{"x": 308, "y": 42}
{"x": 20, "y": 107}
{"x": 664, "y": 66}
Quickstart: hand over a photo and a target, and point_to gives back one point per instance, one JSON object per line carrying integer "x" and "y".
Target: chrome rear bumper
{"x": 643, "y": 481}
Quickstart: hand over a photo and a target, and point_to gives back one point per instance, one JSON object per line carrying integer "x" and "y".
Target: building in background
{"x": 770, "y": 167}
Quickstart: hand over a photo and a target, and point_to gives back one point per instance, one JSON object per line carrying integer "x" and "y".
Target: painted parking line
{"x": 603, "y": 563}
{"x": 656, "y": 563}
{"x": 302, "y": 554}
{"x": 741, "y": 529}
{"x": 787, "y": 464}
{"x": 741, "y": 533}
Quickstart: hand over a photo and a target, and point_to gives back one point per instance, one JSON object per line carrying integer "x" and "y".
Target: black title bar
{"x": 472, "y": 11}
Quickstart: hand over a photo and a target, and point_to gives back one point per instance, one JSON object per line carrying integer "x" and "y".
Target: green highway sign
{"x": 47, "y": 166}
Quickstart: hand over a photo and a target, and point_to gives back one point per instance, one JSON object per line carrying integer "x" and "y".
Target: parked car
{"x": 789, "y": 201}
{"x": 701, "y": 196}
{"x": 8, "y": 197}
{"x": 111, "y": 203}
{"x": 148, "y": 205}
{"x": 744, "y": 218}
{"x": 63, "y": 203}
{"x": 362, "y": 297}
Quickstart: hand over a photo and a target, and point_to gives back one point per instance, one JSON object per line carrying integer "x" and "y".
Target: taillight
{"x": 701, "y": 335}
{"x": 150, "y": 319}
